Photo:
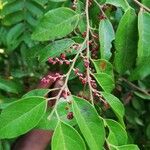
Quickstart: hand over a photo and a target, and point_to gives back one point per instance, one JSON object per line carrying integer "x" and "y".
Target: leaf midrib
{"x": 93, "y": 141}
{"x": 25, "y": 114}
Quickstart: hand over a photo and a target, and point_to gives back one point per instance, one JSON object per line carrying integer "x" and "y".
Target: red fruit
{"x": 50, "y": 60}
{"x": 64, "y": 94}
{"x": 67, "y": 62}
{"x": 80, "y": 78}
{"x": 57, "y": 59}
{"x": 86, "y": 63}
{"x": 94, "y": 85}
{"x": 54, "y": 62}
{"x": 84, "y": 81}
{"x": 63, "y": 56}
{"x": 76, "y": 71}
{"x": 70, "y": 115}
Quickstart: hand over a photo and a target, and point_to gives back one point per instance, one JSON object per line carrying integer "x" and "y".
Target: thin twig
{"x": 66, "y": 80}
{"x": 141, "y": 5}
{"x": 134, "y": 86}
{"x": 88, "y": 50}
{"x": 100, "y": 7}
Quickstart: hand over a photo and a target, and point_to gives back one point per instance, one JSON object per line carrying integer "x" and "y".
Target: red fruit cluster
{"x": 61, "y": 60}
{"x": 82, "y": 78}
{"x": 50, "y": 78}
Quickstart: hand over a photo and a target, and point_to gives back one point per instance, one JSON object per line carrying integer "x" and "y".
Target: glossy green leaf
{"x": 107, "y": 35}
{"x": 57, "y": 23}
{"x": 21, "y": 116}
{"x": 125, "y": 55}
{"x": 70, "y": 138}
{"x": 37, "y": 92}
{"x": 144, "y": 36}
{"x": 115, "y": 104}
{"x": 54, "y": 49}
{"x": 125, "y": 147}
{"x": 103, "y": 66}
{"x": 119, "y": 3}
{"x": 90, "y": 124}
{"x": 117, "y": 134}
{"x": 105, "y": 81}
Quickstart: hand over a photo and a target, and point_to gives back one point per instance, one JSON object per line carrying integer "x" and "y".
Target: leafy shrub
{"x": 100, "y": 52}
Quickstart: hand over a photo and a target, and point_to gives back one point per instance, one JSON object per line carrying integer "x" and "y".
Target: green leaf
{"x": 117, "y": 134}
{"x": 34, "y": 8}
{"x": 37, "y": 92}
{"x": 10, "y": 86}
{"x": 119, "y": 3}
{"x": 6, "y": 145}
{"x": 103, "y": 66}
{"x": 105, "y": 81}
{"x": 144, "y": 36}
{"x": 13, "y": 36}
{"x": 143, "y": 96}
{"x": 146, "y": 2}
{"x": 125, "y": 147}
{"x": 107, "y": 35}
{"x": 13, "y": 18}
{"x": 57, "y": 23}
{"x": 11, "y": 7}
{"x": 125, "y": 45}
{"x": 142, "y": 70}
{"x": 21, "y": 116}
{"x": 41, "y": 2}
{"x": 115, "y": 104}
{"x": 55, "y": 48}
{"x": 90, "y": 124}
{"x": 47, "y": 123}
{"x": 70, "y": 138}
{"x": 1, "y": 146}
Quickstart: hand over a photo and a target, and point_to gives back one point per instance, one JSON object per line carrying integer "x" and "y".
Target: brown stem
{"x": 141, "y": 5}
{"x": 134, "y": 86}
